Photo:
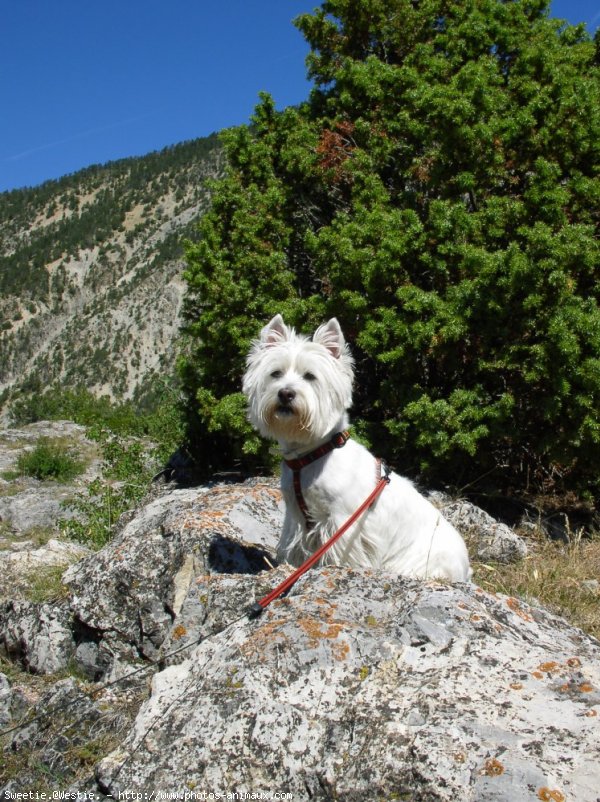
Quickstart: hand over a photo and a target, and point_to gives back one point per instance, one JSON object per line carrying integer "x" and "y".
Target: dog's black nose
{"x": 286, "y": 396}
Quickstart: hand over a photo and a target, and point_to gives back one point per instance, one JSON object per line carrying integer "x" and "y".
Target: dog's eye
{"x": 310, "y": 377}
{"x": 277, "y": 374}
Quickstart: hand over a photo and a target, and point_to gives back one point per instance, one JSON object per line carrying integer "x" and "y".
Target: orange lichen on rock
{"x": 340, "y": 650}
{"x": 316, "y": 630}
{"x": 263, "y": 639}
{"x": 179, "y": 632}
{"x": 548, "y": 795}
{"x": 322, "y": 602}
{"x": 550, "y": 667}
{"x": 514, "y": 605}
{"x": 493, "y": 768}
{"x": 582, "y": 687}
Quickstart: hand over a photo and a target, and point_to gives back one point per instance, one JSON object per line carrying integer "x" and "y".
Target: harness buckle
{"x": 340, "y": 439}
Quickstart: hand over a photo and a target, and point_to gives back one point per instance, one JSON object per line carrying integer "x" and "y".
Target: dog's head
{"x": 298, "y": 389}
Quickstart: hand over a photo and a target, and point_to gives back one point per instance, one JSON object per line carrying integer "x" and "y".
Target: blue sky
{"x": 83, "y": 82}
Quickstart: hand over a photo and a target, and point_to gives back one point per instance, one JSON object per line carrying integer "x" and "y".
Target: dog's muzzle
{"x": 286, "y": 398}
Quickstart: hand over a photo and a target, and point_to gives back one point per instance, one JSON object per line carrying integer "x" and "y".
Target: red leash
{"x": 259, "y": 606}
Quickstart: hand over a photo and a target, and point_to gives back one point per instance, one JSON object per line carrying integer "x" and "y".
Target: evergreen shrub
{"x": 439, "y": 193}
{"x": 50, "y": 459}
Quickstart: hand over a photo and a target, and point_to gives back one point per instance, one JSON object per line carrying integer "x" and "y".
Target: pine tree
{"x": 439, "y": 193}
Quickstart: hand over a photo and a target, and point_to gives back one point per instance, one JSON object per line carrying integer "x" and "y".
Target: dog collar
{"x": 338, "y": 440}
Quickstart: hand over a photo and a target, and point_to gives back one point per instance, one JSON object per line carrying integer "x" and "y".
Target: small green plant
{"x": 50, "y": 459}
{"x": 127, "y": 469}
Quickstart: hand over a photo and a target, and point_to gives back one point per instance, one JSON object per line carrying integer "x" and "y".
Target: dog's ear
{"x": 330, "y": 336}
{"x": 274, "y": 332}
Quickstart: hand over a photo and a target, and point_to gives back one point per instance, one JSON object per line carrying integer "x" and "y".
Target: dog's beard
{"x": 290, "y": 422}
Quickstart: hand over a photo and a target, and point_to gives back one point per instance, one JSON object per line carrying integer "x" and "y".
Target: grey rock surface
{"x": 38, "y": 636}
{"x": 5, "y": 701}
{"x": 361, "y": 686}
{"x": 491, "y": 540}
{"x": 144, "y": 589}
{"x": 23, "y": 557}
{"x": 358, "y": 685}
{"x": 34, "y": 506}
{"x": 27, "y": 503}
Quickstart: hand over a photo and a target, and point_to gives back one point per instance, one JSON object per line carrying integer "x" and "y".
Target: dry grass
{"x": 45, "y": 584}
{"x": 553, "y": 575}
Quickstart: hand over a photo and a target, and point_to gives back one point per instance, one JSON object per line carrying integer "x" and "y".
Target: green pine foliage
{"x": 439, "y": 193}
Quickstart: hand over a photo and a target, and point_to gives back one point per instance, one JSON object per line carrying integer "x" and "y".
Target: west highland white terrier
{"x": 298, "y": 391}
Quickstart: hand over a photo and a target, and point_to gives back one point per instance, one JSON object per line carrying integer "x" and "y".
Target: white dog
{"x": 298, "y": 391}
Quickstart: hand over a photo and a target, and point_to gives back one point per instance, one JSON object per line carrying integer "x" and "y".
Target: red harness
{"x": 337, "y": 441}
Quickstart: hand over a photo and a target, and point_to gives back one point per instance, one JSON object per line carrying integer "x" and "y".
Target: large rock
{"x": 35, "y": 506}
{"x": 492, "y": 540}
{"x": 149, "y": 591}
{"x": 361, "y": 686}
{"x": 142, "y": 590}
{"x": 39, "y": 636}
{"x": 358, "y": 685}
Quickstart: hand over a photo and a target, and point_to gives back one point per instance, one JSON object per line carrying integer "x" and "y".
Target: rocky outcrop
{"x": 40, "y": 636}
{"x": 357, "y": 685}
{"x": 362, "y": 686}
{"x": 493, "y": 541}
{"x": 151, "y": 585}
{"x": 27, "y": 503}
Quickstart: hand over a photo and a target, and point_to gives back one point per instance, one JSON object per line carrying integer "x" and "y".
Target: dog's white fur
{"x": 298, "y": 392}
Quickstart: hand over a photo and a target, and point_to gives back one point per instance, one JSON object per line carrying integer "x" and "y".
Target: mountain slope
{"x": 90, "y": 266}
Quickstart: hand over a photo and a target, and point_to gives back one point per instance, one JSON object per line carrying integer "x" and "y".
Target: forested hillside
{"x": 90, "y": 287}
